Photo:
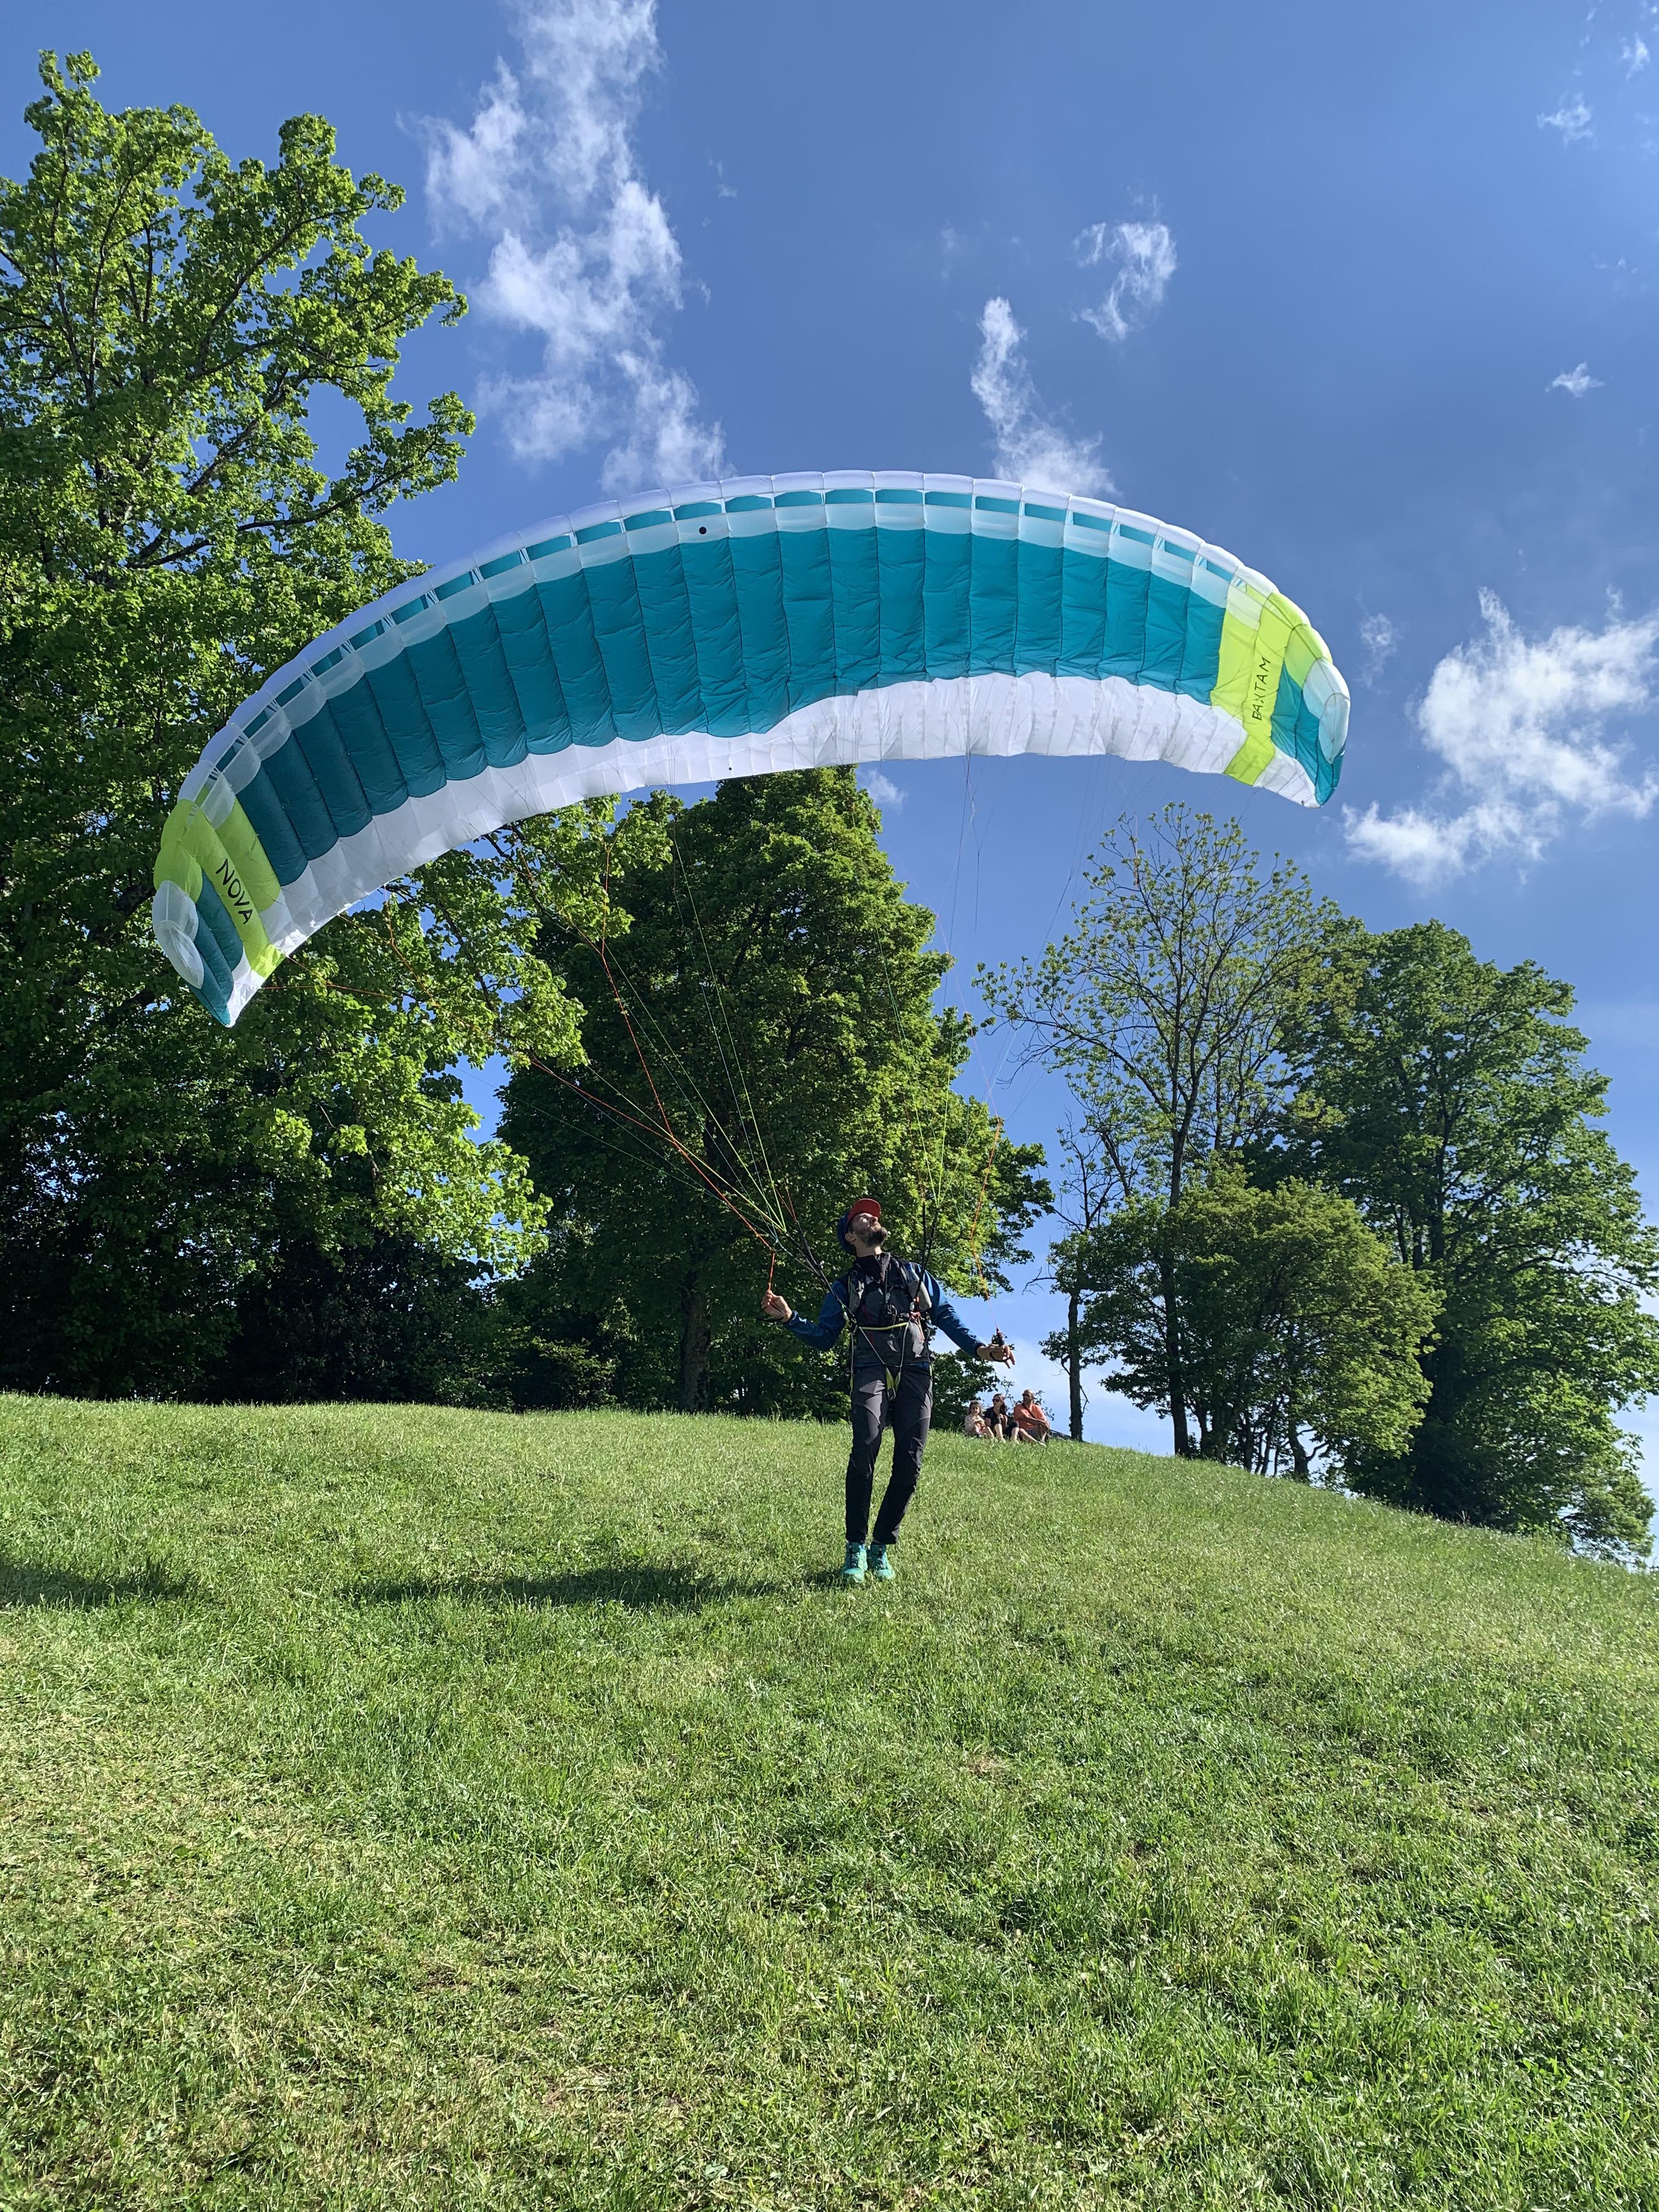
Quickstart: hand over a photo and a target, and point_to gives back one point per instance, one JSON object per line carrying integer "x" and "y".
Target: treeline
{"x": 1337, "y": 1202}
{"x": 758, "y": 1038}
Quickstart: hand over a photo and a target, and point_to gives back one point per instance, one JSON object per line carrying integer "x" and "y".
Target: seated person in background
{"x": 997, "y": 1419}
{"x": 1030, "y": 1423}
{"x": 973, "y": 1421}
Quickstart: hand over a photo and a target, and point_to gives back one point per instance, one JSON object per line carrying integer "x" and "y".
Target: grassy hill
{"x": 417, "y": 1808}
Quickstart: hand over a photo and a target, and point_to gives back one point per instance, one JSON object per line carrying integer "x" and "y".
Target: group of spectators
{"x": 1025, "y": 1422}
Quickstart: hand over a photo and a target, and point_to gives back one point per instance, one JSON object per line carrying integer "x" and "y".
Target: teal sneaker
{"x": 854, "y": 1570}
{"x": 881, "y": 1566}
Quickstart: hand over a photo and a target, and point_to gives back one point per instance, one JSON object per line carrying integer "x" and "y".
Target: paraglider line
{"x": 757, "y": 1197}
{"x": 599, "y": 950}
{"x": 979, "y": 1208}
{"x": 651, "y": 1130}
{"x": 747, "y": 1101}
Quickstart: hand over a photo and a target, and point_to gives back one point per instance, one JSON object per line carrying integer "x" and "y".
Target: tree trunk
{"x": 695, "y": 1339}
{"x": 1074, "y": 1366}
{"x": 1166, "y": 1277}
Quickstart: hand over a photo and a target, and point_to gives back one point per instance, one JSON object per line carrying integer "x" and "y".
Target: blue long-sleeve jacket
{"x": 824, "y": 1333}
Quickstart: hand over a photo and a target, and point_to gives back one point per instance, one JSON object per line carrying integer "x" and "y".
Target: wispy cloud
{"x": 1520, "y": 725}
{"x": 1577, "y": 381}
{"x": 1030, "y": 448}
{"x": 883, "y": 790}
{"x": 1382, "y": 641}
{"x": 582, "y": 253}
{"x": 1144, "y": 254}
{"x": 722, "y": 190}
{"x": 1634, "y": 55}
{"x": 1574, "y": 119}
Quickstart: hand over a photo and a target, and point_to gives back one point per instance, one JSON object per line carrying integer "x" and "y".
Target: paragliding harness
{"x": 897, "y": 1301}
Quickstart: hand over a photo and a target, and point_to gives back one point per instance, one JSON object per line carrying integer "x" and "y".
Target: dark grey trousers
{"x": 906, "y": 1411}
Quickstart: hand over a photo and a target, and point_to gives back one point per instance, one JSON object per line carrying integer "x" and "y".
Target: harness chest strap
{"x": 854, "y": 1290}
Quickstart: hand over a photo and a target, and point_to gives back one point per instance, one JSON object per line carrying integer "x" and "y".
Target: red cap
{"x": 869, "y": 1205}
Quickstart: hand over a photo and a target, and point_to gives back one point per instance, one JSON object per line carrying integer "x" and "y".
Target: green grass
{"x": 415, "y": 1808}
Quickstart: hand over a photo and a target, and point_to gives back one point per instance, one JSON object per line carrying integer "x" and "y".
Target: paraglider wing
{"x": 724, "y": 629}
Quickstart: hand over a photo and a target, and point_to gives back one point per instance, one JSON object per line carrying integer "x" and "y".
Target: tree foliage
{"x": 1258, "y": 1077}
{"x": 1300, "y": 1332}
{"x": 772, "y": 1002}
{"x": 171, "y": 324}
{"x": 1449, "y": 1098}
{"x": 390, "y": 1320}
{"x": 1166, "y": 1006}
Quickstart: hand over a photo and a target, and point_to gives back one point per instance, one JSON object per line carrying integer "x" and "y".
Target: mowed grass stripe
{"x": 406, "y": 1807}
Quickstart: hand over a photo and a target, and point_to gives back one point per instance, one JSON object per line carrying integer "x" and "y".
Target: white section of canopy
{"x": 997, "y": 716}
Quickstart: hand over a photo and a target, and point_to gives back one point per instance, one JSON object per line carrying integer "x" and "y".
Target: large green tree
{"x": 1301, "y": 1332}
{"x": 767, "y": 1026}
{"x": 172, "y": 325}
{"x": 1449, "y": 1099}
{"x": 1166, "y": 1006}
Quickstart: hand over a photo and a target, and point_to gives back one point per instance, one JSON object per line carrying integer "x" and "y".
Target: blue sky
{"x": 1368, "y": 297}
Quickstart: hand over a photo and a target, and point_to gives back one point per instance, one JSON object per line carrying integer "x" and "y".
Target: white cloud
{"x": 471, "y": 175}
{"x": 667, "y": 441}
{"x": 722, "y": 190}
{"x": 1577, "y": 381}
{"x": 1144, "y": 253}
{"x": 1428, "y": 849}
{"x": 1520, "y": 725}
{"x": 1030, "y": 448}
{"x": 1573, "y": 119}
{"x": 883, "y": 790}
{"x": 582, "y": 254}
{"x": 1381, "y": 640}
{"x": 1634, "y": 55}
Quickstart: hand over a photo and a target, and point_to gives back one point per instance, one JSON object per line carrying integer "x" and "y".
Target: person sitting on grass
{"x": 973, "y": 1421}
{"x": 996, "y": 1418}
{"x": 892, "y": 1305}
{"x": 1030, "y": 1423}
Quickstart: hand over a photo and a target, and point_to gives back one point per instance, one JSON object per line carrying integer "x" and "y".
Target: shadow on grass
{"x": 60, "y": 1591}
{"x": 641, "y": 1588}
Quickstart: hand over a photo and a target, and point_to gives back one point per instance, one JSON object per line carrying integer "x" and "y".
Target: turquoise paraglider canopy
{"x": 730, "y": 629}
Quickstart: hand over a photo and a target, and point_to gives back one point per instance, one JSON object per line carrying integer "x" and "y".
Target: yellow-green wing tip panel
{"x": 206, "y": 912}
{"x": 1254, "y": 757}
{"x": 1276, "y": 680}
